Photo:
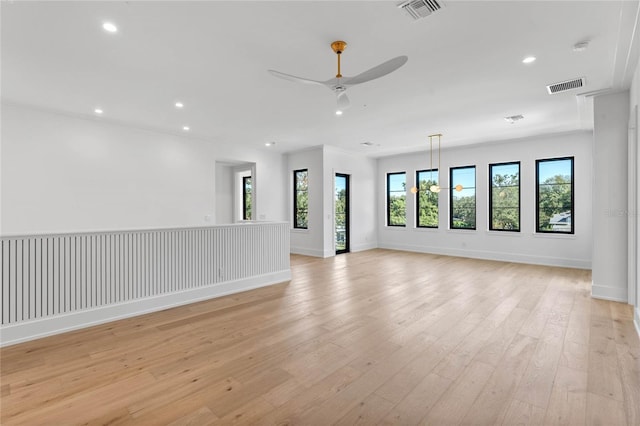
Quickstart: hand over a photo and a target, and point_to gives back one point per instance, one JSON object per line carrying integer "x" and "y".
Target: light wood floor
{"x": 377, "y": 337}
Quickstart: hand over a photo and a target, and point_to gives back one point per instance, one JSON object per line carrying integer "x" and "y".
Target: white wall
{"x": 634, "y": 212}
{"x": 308, "y": 241}
{"x": 363, "y": 224}
{"x": 224, "y": 194}
{"x": 63, "y": 173}
{"x": 610, "y": 200}
{"x": 525, "y": 246}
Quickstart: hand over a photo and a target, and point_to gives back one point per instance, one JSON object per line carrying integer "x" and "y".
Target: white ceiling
{"x": 463, "y": 76}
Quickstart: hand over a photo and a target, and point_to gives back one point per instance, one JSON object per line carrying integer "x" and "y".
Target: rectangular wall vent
{"x": 418, "y": 9}
{"x": 563, "y": 86}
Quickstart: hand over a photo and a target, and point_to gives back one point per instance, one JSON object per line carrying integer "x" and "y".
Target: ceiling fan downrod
{"x": 338, "y": 47}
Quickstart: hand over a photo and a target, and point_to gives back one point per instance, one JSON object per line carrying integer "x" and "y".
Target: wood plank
{"x": 568, "y": 402}
{"x": 523, "y": 414}
{"x": 495, "y": 396}
{"x": 629, "y": 362}
{"x": 415, "y": 406}
{"x": 248, "y": 414}
{"x": 604, "y": 373}
{"x": 367, "y": 412}
{"x": 537, "y": 383}
{"x": 458, "y": 398}
{"x": 202, "y": 416}
{"x": 603, "y": 411}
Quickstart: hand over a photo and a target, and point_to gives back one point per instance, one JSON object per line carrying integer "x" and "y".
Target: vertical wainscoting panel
{"x": 88, "y": 275}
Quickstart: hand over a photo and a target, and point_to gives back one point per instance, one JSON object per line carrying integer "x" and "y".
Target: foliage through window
{"x": 554, "y": 195}
{"x": 426, "y": 201}
{"x": 246, "y": 197}
{"x": 504, "y": 196}
{"x": 396, "y": 199}
{"x": 300, "y": 199}
{"x": 463, "y": 203}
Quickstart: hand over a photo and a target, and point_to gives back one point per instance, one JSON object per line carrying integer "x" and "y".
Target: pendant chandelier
{"x": 435, "y": 188}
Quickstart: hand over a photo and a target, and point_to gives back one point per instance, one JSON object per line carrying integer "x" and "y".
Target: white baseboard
{"x": 491, "y": 255}
{"x": 35, "y": 329}
{"x": 362, "y": 247}
{"x": 615, "y": 294}
{"x": 307, "y": 252}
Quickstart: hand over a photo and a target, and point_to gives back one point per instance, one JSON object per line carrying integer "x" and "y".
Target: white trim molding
{"x": 615, "y": 294}
{"x": 491, "y": 255}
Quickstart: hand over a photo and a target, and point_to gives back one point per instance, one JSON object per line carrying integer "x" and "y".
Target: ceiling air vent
{"x": 563, "y": 86}
{"x": 418, "y": 9}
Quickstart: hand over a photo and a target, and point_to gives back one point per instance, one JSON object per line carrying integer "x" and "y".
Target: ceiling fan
{"x": 339, "y": 84}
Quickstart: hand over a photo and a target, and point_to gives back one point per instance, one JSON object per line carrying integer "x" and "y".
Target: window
{"x": 504, "y": 197}
{"x": 554, "y": 195}
{"x": 300, "y": 199}
{"x": 426, "y": 201}
{"x": 463, "y": 203}
{"x": 396, "y": 199}
{"x": 246, "y": 198}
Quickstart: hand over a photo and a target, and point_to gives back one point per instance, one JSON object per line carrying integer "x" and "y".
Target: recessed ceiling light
{"x": 338, "y": 112}
{"x": 98, "y": 111}
{"x": 186, "y": 128}
{"x": 528, "y": 59}
{"x": 512, "y": 119}
{"x": 269, "y": 143}
{"x": 581, "y": 46}
{"x": 110, "y": 27}
{"x": 179, "y": 105}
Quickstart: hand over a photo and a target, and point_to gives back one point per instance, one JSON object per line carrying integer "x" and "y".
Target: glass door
{"x": 341, "y": 203}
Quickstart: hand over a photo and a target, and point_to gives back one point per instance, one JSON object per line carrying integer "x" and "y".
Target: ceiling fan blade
{"x": 343, "y": 101}
{"x": 377, "y": 71}
{"x": 294, "y": 78}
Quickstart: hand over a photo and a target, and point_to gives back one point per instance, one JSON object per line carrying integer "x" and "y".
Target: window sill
{"x": 555, "y": 236}
{"x": 504, "y": 233}
{"x": 426, "y": 229}
{"x": 396, "y": 228}
{"x": 461, "y": 231}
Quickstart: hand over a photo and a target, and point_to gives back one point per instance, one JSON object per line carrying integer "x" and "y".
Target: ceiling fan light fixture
{"x": 436, "y": 188}
{"x": 339, "y": 84}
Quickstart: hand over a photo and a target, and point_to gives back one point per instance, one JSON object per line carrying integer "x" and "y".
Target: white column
{"x": 610, "y": 227}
